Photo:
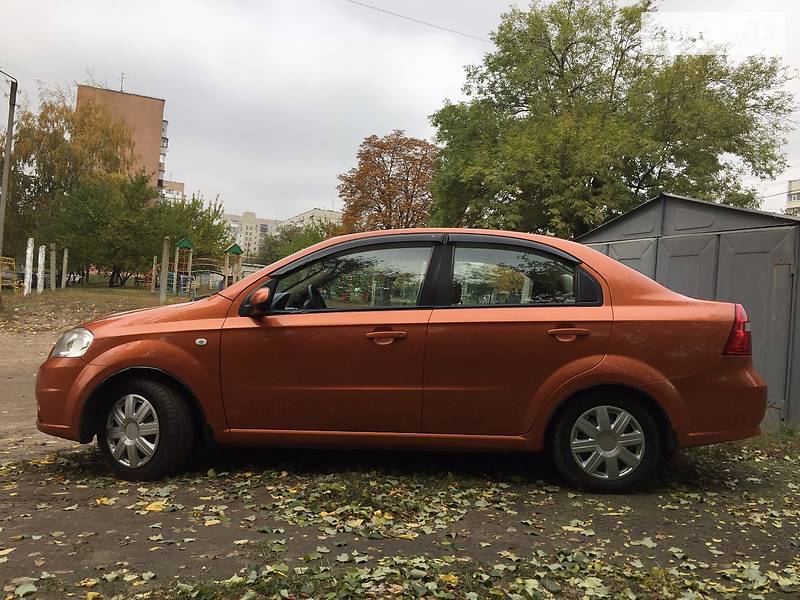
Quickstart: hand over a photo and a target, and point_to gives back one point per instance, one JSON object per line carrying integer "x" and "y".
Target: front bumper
{"x": 58, "y": 404}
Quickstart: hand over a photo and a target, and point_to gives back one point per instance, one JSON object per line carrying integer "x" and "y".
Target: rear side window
{"x": 491, "y": 276}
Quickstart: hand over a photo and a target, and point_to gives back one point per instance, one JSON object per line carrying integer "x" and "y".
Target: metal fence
{"x": 715, "y": 252}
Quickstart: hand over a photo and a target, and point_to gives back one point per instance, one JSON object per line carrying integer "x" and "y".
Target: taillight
{"x": 739, "y": 342}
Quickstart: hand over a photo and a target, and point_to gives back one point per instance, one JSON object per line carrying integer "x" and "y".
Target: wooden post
{"x": 153, "y": 276}
{"x": 64, "y": 263}
{"x": 164, "y": 271}
{"x": 189, "y": 271}
{"x": 53, "y": 269}
{"x": 175, "y": 279}
{"x": 225, "y": 270}
{"x": 40, "y": 271}
{"x": 26, "y": 289}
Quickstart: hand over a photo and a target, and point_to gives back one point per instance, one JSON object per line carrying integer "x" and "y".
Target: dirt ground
{"x": 719, "y": 522}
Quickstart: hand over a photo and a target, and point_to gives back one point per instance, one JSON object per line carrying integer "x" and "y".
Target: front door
{"x": 512, "y": 320}
{"x": 342, "y": 349}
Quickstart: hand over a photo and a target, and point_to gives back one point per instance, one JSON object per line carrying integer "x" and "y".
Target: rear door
{"x": 510, "y": 318}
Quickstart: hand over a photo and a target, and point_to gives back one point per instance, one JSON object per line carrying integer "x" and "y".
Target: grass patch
{"x": 61, "y": 309}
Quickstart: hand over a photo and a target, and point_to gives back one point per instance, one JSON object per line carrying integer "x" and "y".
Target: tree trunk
{"x": 113, "y": 277}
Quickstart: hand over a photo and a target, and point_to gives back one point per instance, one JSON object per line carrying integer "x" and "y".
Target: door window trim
{"x": 425, "y": 297}
{"x": 436, "y": 289}
{"x": 384, "y": 240}
{"x": 445, "y": 283}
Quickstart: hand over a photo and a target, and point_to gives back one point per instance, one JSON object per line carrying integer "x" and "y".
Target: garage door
{"x": 638, "y": 254}
{"x": 755, "y": 269}
{"x": 688, "y": 265}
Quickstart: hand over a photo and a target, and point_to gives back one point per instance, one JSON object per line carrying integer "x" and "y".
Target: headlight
{"x": 74, "y": 343}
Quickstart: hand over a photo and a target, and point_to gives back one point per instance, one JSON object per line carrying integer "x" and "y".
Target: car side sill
{"x": 381, "y": 439}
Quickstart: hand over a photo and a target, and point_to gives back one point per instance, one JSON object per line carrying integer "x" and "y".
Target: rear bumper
{"x": 725, "y": 404}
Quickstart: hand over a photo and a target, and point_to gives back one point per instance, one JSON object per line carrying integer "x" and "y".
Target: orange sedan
{"x": 419, "y": 338}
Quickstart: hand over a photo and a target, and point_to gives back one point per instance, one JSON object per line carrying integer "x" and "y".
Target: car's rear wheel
{"x": 606, "y": 441}
{"x": 146, "y": 430}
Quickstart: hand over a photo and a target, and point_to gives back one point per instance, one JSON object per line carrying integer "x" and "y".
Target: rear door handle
{"x": 567, "y": 334}
{"x": 385, "y": 337}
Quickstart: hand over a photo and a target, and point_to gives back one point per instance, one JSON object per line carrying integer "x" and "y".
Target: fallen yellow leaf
{"x": 450, "y": 578}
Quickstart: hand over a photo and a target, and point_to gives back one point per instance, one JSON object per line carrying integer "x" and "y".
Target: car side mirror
{"x": 259, "y": 303}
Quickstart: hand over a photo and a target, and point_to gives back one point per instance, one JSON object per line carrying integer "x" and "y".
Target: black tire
{"x": 568, "y": 465}
{"x": 177, "y": 432}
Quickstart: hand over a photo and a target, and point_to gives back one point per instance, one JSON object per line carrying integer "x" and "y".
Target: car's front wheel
{"x": 606, "y": 442}
{"x": 146, "y": 431}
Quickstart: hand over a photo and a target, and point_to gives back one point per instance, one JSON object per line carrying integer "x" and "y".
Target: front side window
{"x": 389, "y": 277}
{"x": 486, "y": 276}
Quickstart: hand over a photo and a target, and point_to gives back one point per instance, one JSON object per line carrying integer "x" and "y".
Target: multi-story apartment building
{"x": 793, "y": 198}
{"x": 315, "y": 215}
{"x": 247, "y": 230}
{"x": 144, "y": 116}
{"x": 173, "y": 191}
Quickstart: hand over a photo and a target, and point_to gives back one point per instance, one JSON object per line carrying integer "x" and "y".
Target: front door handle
{"x": 567, "y": 334}
{"x": 383, "y": 338}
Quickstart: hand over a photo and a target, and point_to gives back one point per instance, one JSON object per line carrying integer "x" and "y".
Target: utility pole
{"x": 121, "y": 80}
{"x": 12, "y": 102}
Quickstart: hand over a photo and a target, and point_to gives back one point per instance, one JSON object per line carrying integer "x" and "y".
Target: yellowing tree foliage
{"x": 56, "y": 150}
{"x": 390, "y": 187}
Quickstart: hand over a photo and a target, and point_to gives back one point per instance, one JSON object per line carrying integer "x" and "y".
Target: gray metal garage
{"x": 718, "y": 252}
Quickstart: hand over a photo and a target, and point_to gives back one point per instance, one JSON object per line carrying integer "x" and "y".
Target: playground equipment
{"x": 186, "y": 277}
{"x": 179, "y": 272}
{"x": 181, "y": 281}
{"x": 207, "y": 274}
{"x": 8, "y": 274}
{"x": 233, "y": 264}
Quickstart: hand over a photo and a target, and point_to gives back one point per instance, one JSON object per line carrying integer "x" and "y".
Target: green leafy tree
{"x": 569, "y": 122}
{"x": 109, "y": 222}
{"x": 71, "y": 183}
{"x": 196, "y": 220}
{"x": 116, "y": 223}
{"x": 291, "y": 238}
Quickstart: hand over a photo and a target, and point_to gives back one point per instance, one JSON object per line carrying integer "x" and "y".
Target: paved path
{"x": 20, "y": 357}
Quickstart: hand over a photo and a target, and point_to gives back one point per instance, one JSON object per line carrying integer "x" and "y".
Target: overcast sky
{"x": 268, "y": 100}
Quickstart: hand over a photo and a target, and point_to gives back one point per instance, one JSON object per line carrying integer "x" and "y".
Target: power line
{"x": 421, "y": 22}
{"x": 775, "y": 181}
{"x": 784, "y": 193}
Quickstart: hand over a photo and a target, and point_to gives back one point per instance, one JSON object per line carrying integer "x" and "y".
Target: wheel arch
{"x": 90, "y": 414}
{"x": 669, "y": 439}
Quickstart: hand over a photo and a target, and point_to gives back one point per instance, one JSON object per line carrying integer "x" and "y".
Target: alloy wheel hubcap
{"x": 132, "y": 431}
{"x": 607, "y": 442}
